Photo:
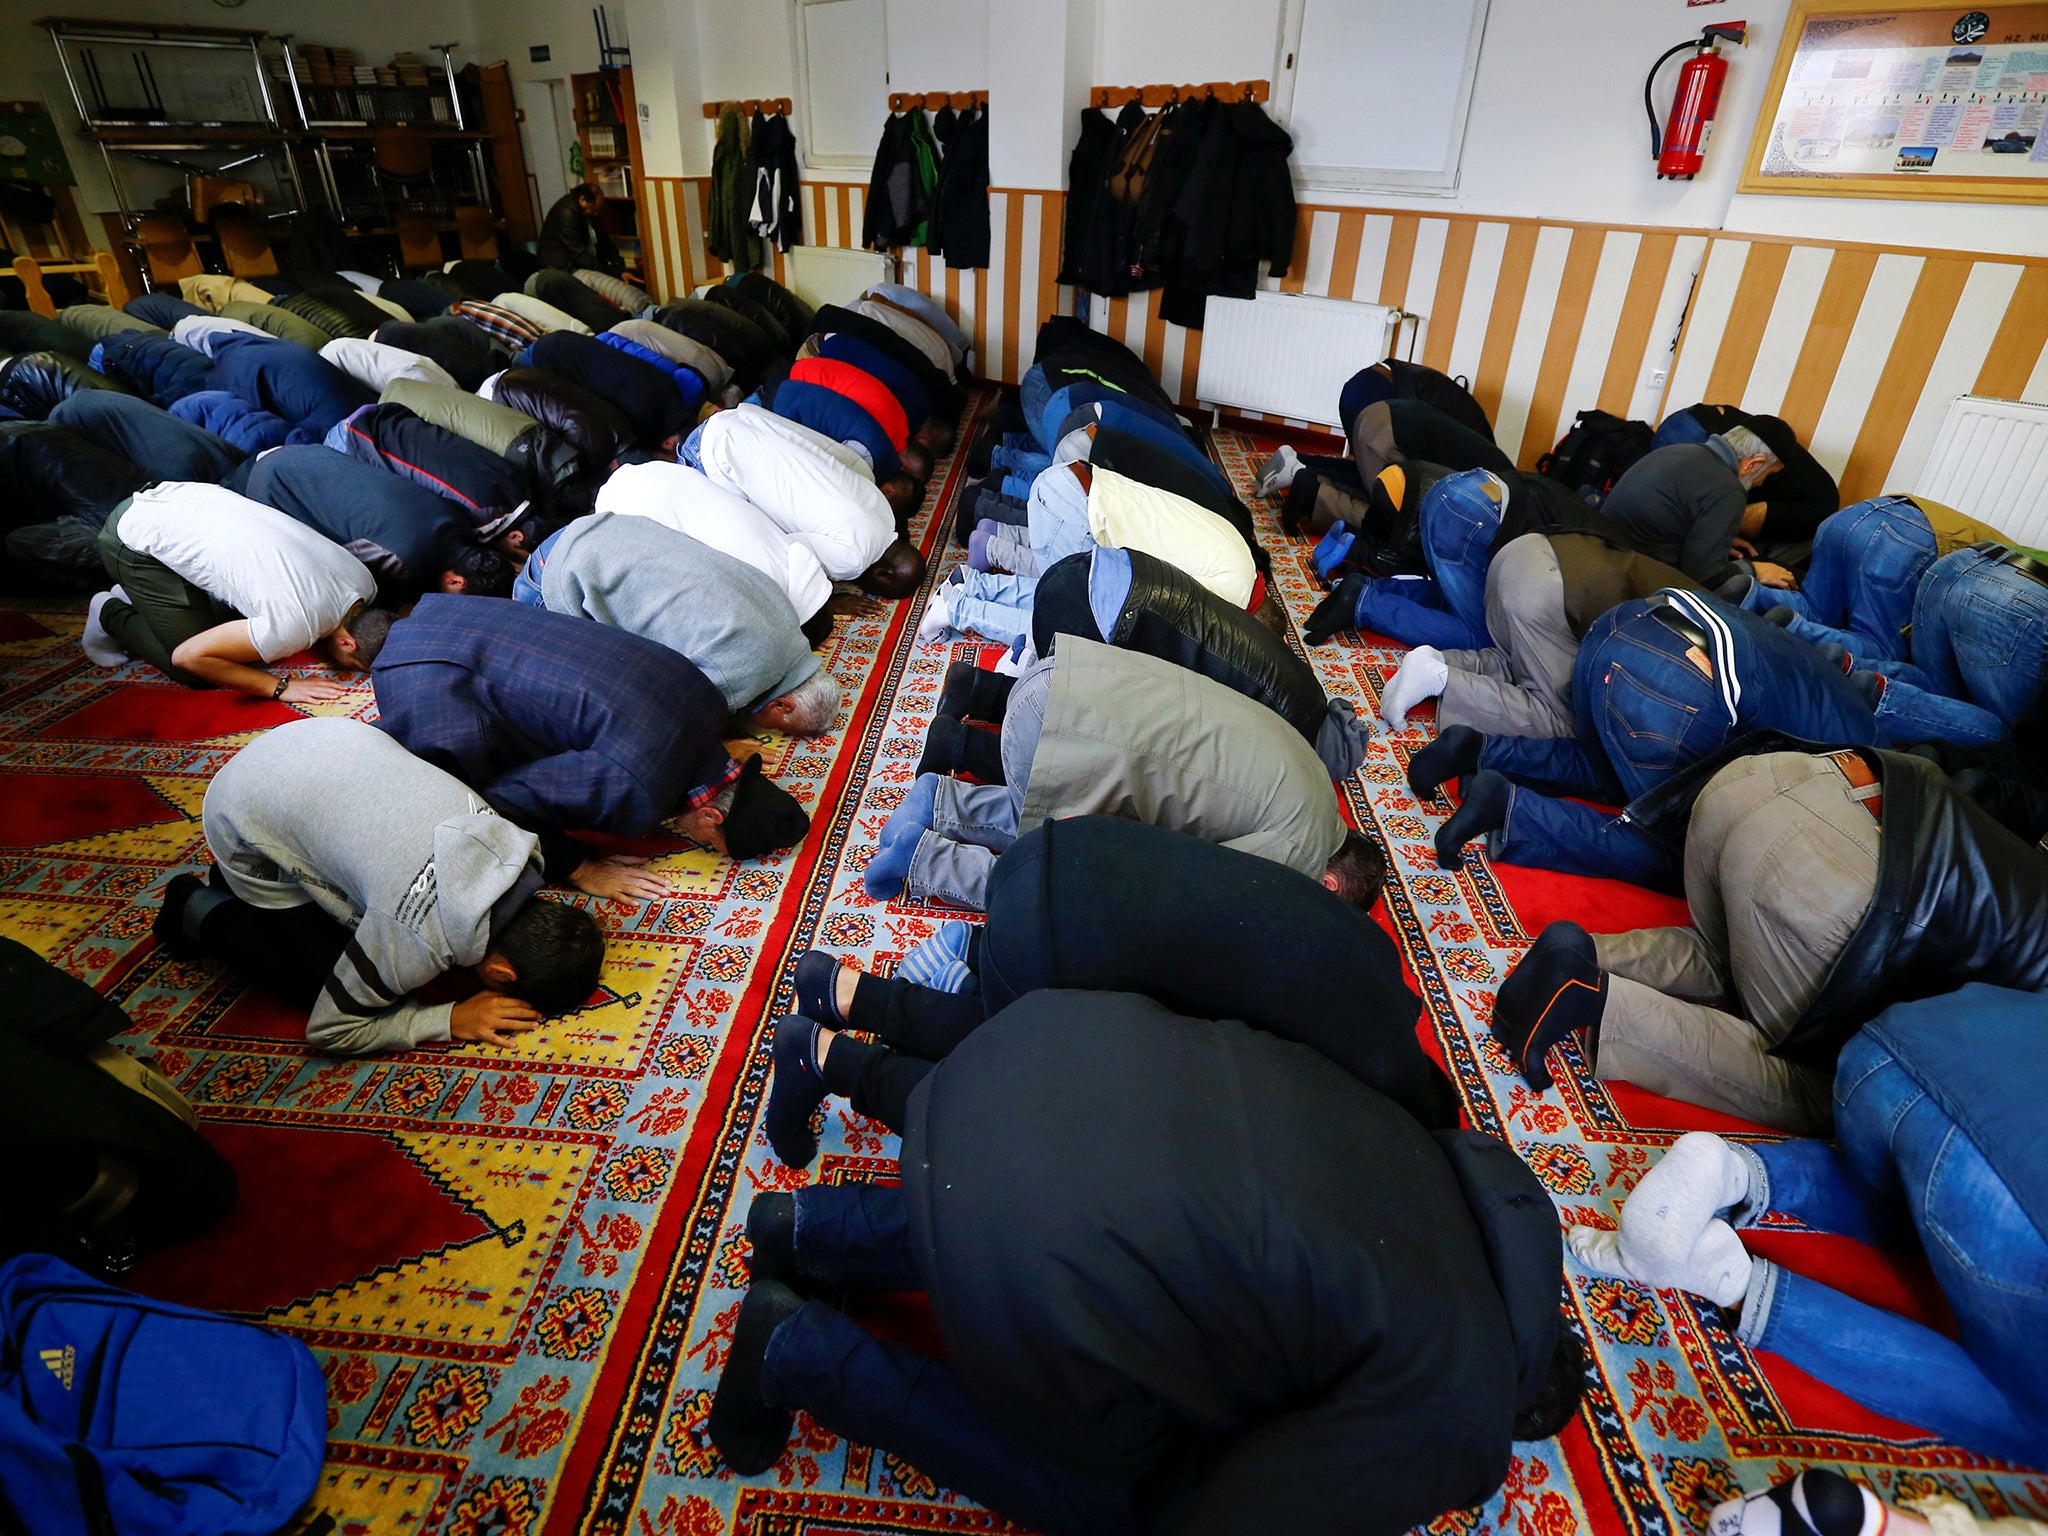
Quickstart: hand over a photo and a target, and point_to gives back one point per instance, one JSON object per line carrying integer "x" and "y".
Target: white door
{"x": 549, "y": 131}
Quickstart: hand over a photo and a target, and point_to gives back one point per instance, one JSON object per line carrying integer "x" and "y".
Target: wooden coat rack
{"x": 1113, "y": 96}
{"x": 750, "y": 106}
{"x": 932, "y": 101}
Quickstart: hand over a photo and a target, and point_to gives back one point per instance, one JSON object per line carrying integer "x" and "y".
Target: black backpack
{"x": 1596, "y": 452}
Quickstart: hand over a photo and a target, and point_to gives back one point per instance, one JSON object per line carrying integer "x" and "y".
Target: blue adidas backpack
{"x": 123, "y": 1415}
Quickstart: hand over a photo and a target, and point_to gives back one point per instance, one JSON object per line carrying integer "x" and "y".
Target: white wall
{"x": 1184, "y": 42}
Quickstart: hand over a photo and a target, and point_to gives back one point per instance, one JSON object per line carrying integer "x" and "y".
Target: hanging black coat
{"x": 899, "y": 200}
{"x": 776, "y": 212}
{"x": 1235, "y": 210}
{"x": 1094, "y": 153}
{"x": 959, "y": 228}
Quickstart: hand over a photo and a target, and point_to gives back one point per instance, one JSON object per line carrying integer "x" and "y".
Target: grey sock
{"x": 197, "y": 906}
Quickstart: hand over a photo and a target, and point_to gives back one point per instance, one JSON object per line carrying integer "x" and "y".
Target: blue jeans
{"x": 1034, "y": 390}
{"x": 1908, "y": 715}
{"x": 1058, "y": 516}
{"x": 1867, "y": 563}
{"x": 1678, "y": 427}
{"x": 1900, "y": 1166}
{"x": 1980, "y": 632}
{"x": 886, "y": 1395}
{"x": 998, "y": 607}
{"x": 1027, "y": 462}
{"x": 1460, "y": 520}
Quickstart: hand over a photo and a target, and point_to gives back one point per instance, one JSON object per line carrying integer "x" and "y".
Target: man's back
{"x": 1680, "y": 504}
{"x": 1169, "y": 1246}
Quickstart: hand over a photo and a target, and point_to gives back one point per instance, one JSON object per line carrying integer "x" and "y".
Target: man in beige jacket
{"x": 1098, "y": 731}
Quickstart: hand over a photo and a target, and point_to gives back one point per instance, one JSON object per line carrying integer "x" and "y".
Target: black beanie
{"x": 764, "y": 815}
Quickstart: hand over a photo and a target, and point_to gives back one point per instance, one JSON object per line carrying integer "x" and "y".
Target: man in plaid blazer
{"x": 563, "y": 724}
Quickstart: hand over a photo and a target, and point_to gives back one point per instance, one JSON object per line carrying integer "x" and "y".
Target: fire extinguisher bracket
{"x": 1679, "y": 144}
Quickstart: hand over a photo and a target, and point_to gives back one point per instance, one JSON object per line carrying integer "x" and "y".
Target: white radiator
{"x": 1289, "y": 354}
{"x": 826, "y": 274}
{"x": 1991, "y": 463}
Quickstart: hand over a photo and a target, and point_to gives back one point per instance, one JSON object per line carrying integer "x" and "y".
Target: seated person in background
{"x": 1801, "y": 495}
{"x": 731, "y": 621}
{"x": 486, "y": 487}
{"x": 1242, "y": 936}
{"x": 804, "y": 485}
{"x": 1822, "y": 888}
{"x": 1092, "y": 730}
{"x": 1658, "y": 684}
{"x": 1543, "y": 592}
{"x": 1126, "y": 598}
{"x": 570, "y": 238}
{"x": 685, "y": 499}
{"x": 209, "y": 585}
{"x": 317, "y": 911}
{"x": 1270, "y": 1340}
{"x": 565, "y": 725}
{"x": 411, "y": 538}
{"x": 1937, "y": 1115}
{"x": 147, "y": 434}
{"x": 657, "y": 411}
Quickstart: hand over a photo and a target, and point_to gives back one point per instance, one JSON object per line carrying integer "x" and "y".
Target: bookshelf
{"x": 608, "y": 131}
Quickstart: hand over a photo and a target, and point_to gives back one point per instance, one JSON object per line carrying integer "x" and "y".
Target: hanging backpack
{"x": 121, "y": 1414}
{"x": 1596, "y": 452}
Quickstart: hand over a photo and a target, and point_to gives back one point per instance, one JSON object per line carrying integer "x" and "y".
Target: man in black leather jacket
{"x": 570, "y": 238}
{"x": 1824, "y": 887}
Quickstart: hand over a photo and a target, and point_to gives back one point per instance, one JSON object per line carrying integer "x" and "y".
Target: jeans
{"x": 973, "y": 823}
{"x": 1678, "y": 427}
{"x": 1019, "y": 461}
{"x": 1980, "y": 632}
{"x": 1033, "y": 393}
{"x": 1579, "y": 840}
{"x": 997, "y": 607}
{"x": 1058, "y": 512}
{"x": 886, "y": 1395}
{"x": 1902, "y": 1165}
{"x": 1908, "y": 715}
{"x": 1867, "y": 563}
{"x": 1460, "y": 520}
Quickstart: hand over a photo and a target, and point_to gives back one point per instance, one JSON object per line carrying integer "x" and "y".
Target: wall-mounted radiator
{"x": 825, "y": 274}
{"x": 1288, "y": 354}
{"x": 1991, "y": 463}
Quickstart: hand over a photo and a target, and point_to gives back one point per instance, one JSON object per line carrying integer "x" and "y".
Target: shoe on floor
{"x": 1817, "y": 1502}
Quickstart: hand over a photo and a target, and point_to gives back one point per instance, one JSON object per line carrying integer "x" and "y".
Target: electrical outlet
{"x": 1657, "y": 378}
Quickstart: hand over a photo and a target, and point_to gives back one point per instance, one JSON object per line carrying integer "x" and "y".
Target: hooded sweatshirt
{"x": 285, "y": 822}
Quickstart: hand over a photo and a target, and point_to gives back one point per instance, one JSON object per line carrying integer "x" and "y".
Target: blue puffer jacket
{"x": 239, "y": 423}
{"x": 155, "y": 367}
{"x": 688, "y": 380}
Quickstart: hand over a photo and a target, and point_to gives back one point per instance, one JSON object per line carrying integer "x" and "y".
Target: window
{"x": 842, "y": 66}
{"x": 1379, "y": 91}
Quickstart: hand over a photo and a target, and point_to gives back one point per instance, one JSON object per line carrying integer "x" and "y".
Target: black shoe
{"x": 1485, "y": 810}
{"x": 1557, "y": 988}
{"x": 795, "y": 1092}
{"x": 817, "y": 988}
{"x": 945, "y": 745}
{"x": 957, "y": 694}
{"x": 1453, "y": 755}
{"x": 169, "y": 926}
{"x": 771, "y": 1231}
{"x": 748, "y": 1432}
{"x": 1337, "y": 611}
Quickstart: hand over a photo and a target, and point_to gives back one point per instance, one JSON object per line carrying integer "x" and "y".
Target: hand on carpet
{"x": 620, "y": 877}
{"x": 311, "y": 690}
{"x": 492, "y": 1018}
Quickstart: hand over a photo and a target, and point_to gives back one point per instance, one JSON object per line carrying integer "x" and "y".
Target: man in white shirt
{"x": 804, "y": 485}
{"x": 686, "y": 499}
{"x": 211, "y": 586}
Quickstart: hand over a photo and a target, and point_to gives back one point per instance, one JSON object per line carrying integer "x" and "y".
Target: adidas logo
{"x": 62, "y": 1362}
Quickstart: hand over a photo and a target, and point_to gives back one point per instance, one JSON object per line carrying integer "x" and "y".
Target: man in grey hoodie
{"x": 735, "y": 623}
{"x": 303, "y": 896}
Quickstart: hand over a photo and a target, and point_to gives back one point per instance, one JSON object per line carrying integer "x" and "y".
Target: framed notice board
{"x": 29, "y": 147}
{"x": 1928, "y": 101}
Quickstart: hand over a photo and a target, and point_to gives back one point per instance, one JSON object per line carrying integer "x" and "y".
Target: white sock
{"x": 1423, "y": 674}
{"x": 1018, "y": 659}
{"x": 1278, "y": 472}
{"x": 1717, "y": 1266}
{"x": 938, "y": 616}
{"x": 1677, "y": 1201}
{"x": 98, "y": 645}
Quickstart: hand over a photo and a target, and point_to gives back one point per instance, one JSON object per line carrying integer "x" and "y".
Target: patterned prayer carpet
{"x": 520, "y": 1269}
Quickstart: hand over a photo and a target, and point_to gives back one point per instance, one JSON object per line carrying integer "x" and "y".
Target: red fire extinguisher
{"x": 1680, "y": 147}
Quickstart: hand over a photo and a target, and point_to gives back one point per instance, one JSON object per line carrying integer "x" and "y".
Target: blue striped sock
{"x": 935, "y": 962}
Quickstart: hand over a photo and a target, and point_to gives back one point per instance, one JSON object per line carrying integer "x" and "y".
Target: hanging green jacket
{"x": 727, "y": 234}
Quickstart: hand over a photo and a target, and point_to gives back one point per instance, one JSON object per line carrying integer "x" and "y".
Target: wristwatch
{"x": 278, "y": 692}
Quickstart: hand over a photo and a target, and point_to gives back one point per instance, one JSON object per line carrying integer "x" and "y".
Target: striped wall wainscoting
{"x": 1859, "y": 347}
{"x": 1862, "y": 348}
